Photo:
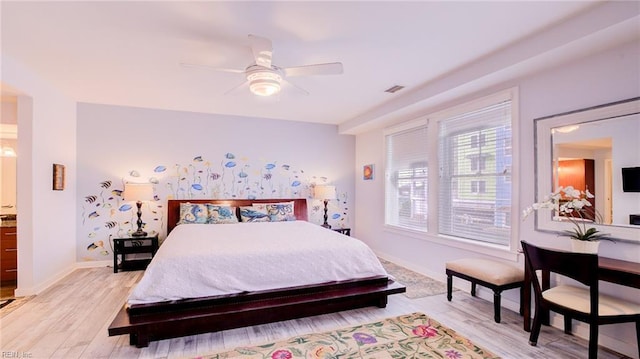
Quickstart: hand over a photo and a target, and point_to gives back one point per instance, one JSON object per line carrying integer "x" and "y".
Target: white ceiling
{"x": 128, "y": 53}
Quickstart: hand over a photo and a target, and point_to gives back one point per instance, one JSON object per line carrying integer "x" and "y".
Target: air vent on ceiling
{"x": 394, "y": 89}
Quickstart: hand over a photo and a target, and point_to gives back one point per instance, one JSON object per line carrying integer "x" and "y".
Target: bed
{"x": 155, "y": 312}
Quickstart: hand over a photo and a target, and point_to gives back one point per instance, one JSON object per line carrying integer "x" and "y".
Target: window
{"x": 478, "y": 186}
{"x": 406, "y": 177}
{"x": 475, "y": 191}
{"x": 478, "y": 162}
{"x": 450, "y": 175}
{"x": 478, "y": 140}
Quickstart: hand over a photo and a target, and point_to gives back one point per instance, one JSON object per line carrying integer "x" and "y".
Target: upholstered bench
{"x": 495, "y": 275}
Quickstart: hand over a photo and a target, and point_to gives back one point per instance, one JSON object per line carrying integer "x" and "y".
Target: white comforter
{"x": 200, "y": 260}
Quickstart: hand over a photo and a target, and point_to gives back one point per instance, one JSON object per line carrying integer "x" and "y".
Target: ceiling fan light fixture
{"x": 264, "y": 83}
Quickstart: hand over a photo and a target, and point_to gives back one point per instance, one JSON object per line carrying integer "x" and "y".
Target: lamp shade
{"x": 324, "y": 192}
{"x": 138, "y": 191}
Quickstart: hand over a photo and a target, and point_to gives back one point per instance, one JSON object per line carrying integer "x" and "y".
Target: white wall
{"x": 606, "y": 77}
{"x": 166, "y": 146}
{"x": 46, "y": 218}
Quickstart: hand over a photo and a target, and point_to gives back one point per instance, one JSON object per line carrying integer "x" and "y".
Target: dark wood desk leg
{"x": 521, "y": 310}
{"x": 525, "y": 301}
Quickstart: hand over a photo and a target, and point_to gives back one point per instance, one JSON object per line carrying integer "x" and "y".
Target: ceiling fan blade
{"x": 332, "y": 68}
{"x": 262, "y": 50}
{"x": 235, "y": 71}
{"x": 300, "y": 89}
{"x": 236, "y": 88}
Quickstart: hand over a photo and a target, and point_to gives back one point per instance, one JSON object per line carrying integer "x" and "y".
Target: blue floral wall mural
{"x": 106, "y": 215}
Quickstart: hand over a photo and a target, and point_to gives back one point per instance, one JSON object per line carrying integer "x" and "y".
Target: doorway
{"x": 8, "y": 196}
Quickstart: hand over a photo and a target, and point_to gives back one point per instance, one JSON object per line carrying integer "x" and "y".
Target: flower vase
{"x": 585, "y": 246}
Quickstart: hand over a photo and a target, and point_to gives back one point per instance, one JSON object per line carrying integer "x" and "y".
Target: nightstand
{"x": 133, "y": 245}
{"x": 345, "y": 231}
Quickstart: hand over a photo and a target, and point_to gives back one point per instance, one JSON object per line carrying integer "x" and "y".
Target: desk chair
{"x": 585, "y": 304}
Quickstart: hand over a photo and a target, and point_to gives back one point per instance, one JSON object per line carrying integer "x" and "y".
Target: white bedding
{"x": 201, "y": 260}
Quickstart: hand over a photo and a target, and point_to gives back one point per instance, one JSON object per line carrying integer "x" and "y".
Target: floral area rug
{"x": 418, "y": 285}
{"x": 407, "y": 336}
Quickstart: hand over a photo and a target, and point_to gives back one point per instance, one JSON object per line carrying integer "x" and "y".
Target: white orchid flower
{"x": 572, "y": 192}
{"x": 588, "y": 194}
{"x": 574, "y": 204}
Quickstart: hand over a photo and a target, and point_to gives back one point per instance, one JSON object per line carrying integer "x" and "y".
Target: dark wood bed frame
{"x": 156, "y": 321}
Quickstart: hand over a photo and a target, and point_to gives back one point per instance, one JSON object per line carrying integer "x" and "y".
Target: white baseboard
{"x": 94, "y": 264}
{"x": 39, "y": 288}
{"x": 422, "y": 270}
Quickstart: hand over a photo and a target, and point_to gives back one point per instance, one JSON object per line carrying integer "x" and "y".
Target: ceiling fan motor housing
{"x": 263, "y": 81}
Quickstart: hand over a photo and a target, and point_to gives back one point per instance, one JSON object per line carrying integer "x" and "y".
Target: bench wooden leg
{"x": 496, "y": 305}
{"x": 497, "y": 291}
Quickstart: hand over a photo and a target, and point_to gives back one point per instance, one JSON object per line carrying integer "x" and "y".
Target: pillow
{"x": 290, "y": 203}
{"x": 279, "y": 212}
{"x": 221, "y": 214}
{"x": 256, "y": 213}
{"x": 192, "y": 213}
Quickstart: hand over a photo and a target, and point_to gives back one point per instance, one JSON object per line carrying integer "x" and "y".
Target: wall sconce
{"x": 325, "y": 193}
{"x": 138, "y": 192}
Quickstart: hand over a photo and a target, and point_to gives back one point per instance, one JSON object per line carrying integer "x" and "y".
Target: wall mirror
{"x": 596, "y": 148}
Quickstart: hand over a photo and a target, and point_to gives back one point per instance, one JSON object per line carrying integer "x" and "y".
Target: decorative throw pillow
{"x": 221, "y": 214}
{"x": 192, "y": 213}
{"x": 279, "y": 212}
{"x": 255, "y": 213}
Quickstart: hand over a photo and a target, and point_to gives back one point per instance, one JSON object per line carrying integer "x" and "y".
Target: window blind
{"x": 406, "y": 178}
{"x": 475, "y": 160}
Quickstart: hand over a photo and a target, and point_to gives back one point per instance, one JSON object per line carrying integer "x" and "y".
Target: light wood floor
{"x": 70, "y": 320}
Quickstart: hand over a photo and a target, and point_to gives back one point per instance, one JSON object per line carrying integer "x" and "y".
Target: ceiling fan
{"x": 264, "y": 78}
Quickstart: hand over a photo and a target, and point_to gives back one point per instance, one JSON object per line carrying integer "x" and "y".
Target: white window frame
{"x": 506, "y": 252}
{"x": 393, "y": 207}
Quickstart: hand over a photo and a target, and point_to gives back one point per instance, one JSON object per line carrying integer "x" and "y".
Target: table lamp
{"x": 325, "y": 193}
{"x": 138, "y": 192}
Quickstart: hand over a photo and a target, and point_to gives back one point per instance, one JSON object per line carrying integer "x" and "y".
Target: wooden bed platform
{"x": 189, "y": 317}
{"x": 149, "y": 322}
